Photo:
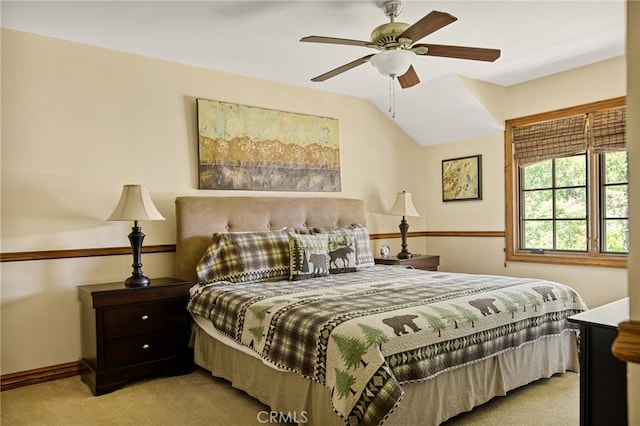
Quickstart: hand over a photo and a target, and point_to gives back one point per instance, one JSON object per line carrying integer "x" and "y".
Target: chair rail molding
{"x": 23, "y": 256}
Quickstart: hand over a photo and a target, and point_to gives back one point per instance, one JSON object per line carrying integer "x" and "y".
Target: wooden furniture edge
{"x": 39, "y": 375}
{"x": 626, "y": 347}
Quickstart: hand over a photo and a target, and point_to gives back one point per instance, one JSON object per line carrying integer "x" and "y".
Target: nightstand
{"x": 129, "y": 333}
{"x": 425, "y": 262}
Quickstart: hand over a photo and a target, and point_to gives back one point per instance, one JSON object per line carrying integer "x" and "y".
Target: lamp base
{"x": 137, "y": 281}
{"x": 404, "y": 255}
{"x": 404, "y": 227}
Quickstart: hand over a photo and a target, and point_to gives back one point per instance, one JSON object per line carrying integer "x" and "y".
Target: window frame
{"x": 592, "y": 257}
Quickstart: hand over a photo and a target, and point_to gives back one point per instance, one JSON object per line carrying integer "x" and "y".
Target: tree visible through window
{"x": 567, "y": 186}
{"x": 554, "y": 205}
{"x": 615, "y": 202}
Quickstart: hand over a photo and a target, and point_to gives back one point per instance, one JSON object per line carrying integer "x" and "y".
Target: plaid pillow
{"x": 364, "y": 258}
{"x": 363, "y": 246}
{"x": 245, "y": 257}
{"x": 309, "y": 257}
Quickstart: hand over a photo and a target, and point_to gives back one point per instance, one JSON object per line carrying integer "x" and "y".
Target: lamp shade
{"x": 393, "y": 62}
{"x": 404, "y": 206}
{"x": 135, "y": 204}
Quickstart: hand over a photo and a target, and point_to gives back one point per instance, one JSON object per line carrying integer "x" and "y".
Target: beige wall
{"x": 78, "y": 122}
{"x": 599, "y": 81}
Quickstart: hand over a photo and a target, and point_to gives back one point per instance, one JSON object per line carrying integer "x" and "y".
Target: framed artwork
{"x": 462, "y": 178}
{"x": 249, "y": 148}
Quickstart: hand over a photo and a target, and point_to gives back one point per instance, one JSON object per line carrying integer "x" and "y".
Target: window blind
{"x": 550, "y": 139}
{"x": 607, "y": 129}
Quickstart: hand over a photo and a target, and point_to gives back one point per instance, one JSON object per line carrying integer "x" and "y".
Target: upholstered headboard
{"x": 198, "y": 218}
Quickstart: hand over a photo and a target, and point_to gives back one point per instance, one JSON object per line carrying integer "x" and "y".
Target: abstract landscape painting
{"x": 249, "y": 148}
{"x": 462, "y": 178}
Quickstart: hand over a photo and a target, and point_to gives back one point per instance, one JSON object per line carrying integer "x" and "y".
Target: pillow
{"x": 245, "y": 257}
{"x": 309, "y": 256}
{"x": 363, "y": 246}
{"x": 364, "y": 258}
{"x": 342, "y": 251}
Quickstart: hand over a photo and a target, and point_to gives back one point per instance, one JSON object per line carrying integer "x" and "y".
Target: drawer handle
{"x": 145, "y": 346}
{"x": 145, "y": 317}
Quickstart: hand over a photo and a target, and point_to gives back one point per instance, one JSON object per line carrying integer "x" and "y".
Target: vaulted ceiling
{"x": 261, "y": 39}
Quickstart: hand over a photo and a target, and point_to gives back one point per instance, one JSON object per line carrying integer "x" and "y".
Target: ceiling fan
{"x": 397, "y": 51}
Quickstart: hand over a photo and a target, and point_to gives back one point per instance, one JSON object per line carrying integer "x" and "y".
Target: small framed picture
{"x": 462, "y": 178}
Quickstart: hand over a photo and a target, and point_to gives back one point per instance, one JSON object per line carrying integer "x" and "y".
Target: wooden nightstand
{"x": 131, "y": 333}
{"x": 425, "y": 262}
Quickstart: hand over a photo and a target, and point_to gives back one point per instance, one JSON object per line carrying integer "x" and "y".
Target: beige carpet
{"x": 200, "y": 399}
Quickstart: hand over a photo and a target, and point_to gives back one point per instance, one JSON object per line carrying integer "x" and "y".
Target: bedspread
{"x": 363, "y": 334}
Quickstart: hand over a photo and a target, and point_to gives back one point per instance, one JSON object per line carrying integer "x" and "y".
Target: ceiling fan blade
{"x": 460, "y": 52}
{"x": 335, "y": 40}
{"x": 340, "y": 70}
{"x": 427, "y": 25}
{"x": 409, "y": 79}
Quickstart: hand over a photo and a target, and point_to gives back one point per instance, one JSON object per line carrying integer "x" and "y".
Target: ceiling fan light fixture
{"x": 393, "y": 62}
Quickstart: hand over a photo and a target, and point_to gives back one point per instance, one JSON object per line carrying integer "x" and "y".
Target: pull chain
{"x": 392, "y": 96}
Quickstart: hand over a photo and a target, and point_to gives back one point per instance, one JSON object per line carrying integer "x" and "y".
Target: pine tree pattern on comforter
{"x": 365, "y": 333}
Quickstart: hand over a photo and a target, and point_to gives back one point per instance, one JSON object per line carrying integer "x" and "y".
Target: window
{"x": 614, "y": 231}
{"x": 567, "y": 186}
{"x": 553, "y": 199}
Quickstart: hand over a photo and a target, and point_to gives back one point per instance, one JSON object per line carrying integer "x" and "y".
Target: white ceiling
{"x": 261, "y": 39}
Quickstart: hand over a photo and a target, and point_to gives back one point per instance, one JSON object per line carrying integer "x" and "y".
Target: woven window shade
{"x": 608, "y": 130}
{"x": 550, "y": 139}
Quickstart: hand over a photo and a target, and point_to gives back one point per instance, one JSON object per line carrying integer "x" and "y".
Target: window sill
{"x": 603, "y": 261}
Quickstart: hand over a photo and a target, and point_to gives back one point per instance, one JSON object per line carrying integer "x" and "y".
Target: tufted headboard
{"x": 198, "y": 218}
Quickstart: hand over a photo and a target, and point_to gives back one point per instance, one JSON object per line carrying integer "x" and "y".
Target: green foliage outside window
{"x": 615, "y": 204}
{"x": 555, "y": 204}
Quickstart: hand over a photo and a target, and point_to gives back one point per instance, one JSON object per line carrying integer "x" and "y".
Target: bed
{"x": 382, "y": 344}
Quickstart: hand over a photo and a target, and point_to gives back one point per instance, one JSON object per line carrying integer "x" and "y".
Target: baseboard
{"x": 39, "y": 375}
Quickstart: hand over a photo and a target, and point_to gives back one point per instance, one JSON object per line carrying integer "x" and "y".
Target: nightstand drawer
{"x": 141, "y": 348}
{"x": 144, "y": 317}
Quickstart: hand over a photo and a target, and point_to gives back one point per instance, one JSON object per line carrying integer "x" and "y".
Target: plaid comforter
{"x": 363, "y": 334}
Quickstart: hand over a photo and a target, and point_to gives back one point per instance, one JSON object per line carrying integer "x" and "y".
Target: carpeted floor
{"x": 200, "y": 399}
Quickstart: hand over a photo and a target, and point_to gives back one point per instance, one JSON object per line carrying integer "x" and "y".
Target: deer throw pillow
{"x": 342, "y": 249}
{"x": 308, "y": 254}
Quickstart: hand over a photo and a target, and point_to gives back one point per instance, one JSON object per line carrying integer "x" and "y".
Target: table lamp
{"x": 135, "y": 204}
{"x": 404, "y": 207}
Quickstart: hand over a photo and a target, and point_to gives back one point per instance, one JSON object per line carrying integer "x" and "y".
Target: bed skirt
{"x": 429, "y": 402}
